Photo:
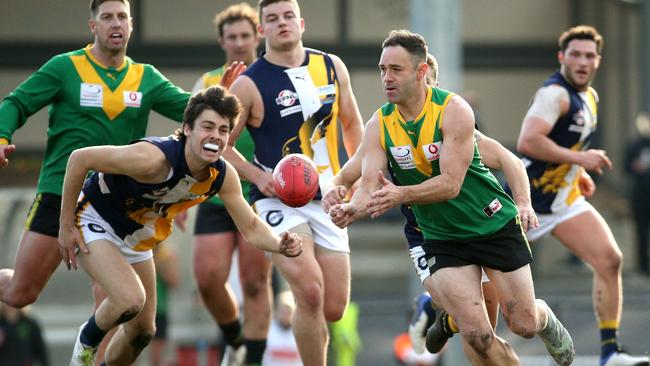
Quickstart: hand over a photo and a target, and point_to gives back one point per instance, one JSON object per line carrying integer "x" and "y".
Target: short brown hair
{"x": 585, "y": 32}
{"x": 264, "y": 3}
{"x": 413, "y": 43}
{"x": 216, "y": 98}
{"x": 94, "y": 5}
{"x": 235, "y": 13}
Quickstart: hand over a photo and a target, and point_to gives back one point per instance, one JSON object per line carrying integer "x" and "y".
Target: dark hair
{"x": 94, "y": 5}
{"x": 413, "y": 43}
{"x": 235, "y": 13}
{"x": 216, "y": 98}
{"x": 585, "y": 32}
{"x": 264, "y": 3}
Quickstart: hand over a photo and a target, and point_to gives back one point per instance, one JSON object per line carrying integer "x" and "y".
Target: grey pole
{"x": 438, "y": 21}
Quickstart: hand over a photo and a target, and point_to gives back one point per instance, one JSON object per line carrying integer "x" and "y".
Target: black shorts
{"x": 43, "y": 215}
{"x": 161, "y": 326}
{"x": 506, "y": 250}
{"x": 213, "y": 219}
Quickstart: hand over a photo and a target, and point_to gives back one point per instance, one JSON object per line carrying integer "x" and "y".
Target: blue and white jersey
{"x": 554, "y": 186}
{"x": 301, "y": 107}
{"x": 141, "y": 214}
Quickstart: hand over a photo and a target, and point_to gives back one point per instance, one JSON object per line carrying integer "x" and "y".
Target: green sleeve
{"x": 39, "y": 90}
{"x": 169, "y": 99}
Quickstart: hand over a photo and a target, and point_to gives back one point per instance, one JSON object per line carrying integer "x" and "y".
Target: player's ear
{"x": 91, "y": 25}
{"x": 560, "y": 56}
{"x": 422, "y": 70}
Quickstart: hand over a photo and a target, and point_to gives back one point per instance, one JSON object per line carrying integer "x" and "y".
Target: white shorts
{"x": 93, "y": 227}
{"x": 283, "y": 218}
{"x": 548, "y": 222}
{"x": 422, "y": 268}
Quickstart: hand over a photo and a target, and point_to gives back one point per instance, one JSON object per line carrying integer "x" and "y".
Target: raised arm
{"x": 256, "y": 231}
{"x": 141, "y": 161}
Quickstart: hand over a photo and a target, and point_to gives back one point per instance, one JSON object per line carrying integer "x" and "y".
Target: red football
{"x": 295, "y": 180}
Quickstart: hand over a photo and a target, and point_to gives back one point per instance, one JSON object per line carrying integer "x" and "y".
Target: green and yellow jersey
{"x": 413, "y": 149}
{"x": 89, "y": 104}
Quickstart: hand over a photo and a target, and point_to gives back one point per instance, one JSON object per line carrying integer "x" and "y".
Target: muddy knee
{"x": 128, "y": 314}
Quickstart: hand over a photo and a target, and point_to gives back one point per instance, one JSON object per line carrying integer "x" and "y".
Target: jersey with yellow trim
{"x": 283, "y": 130}
{"x": 89, "y": 104}
{"x": 244, "y": 143}
{"x": 142, "y": 214}
{"x": 554, "y": 186}
{"x": 414, "y": 148}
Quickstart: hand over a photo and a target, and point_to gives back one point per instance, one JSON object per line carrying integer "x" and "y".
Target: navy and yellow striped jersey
{"x": 554, "y": 186}
{"x": 142, "y": 214}
{"x": 284, "y": 130}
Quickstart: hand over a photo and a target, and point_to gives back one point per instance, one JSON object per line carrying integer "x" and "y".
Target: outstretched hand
{"x": 290, "y": 244}
{"x": 232, "y": 72}
{"x": 5, "y": 151}
{"x": 70, "y": 241}
{"x": 387, "y": 197}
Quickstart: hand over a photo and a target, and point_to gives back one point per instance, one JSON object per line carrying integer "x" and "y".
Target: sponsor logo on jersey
{"x": 286, "y": 98}
{"x": 327, "y": 93}
{"x": 132, "y": 99}
{"x": 291, "y": 110}
{"x": 432, "y": 151}
{"x": 494, "y": 207}
{"x": 403, "y": 156}
{"x": 91, "y": 95}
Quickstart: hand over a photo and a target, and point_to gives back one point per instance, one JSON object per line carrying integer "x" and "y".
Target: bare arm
{"x": 534, "y": 141}
{"x": 496, "y": 156}
{"x": 142, "y": 161}
{"x": 250, "y": 225}
{"x": 251, "y": 114}
{"x": 374, "y": 162}
{"x": 351, "y": 121}
{"x": 337, "y": 188}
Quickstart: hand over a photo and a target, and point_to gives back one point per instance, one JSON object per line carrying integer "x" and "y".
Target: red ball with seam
{"x": 295, "y": 180}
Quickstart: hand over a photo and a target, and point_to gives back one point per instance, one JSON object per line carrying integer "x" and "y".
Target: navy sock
{"x": 232, "y": 333}
{"x": 91, "y": 335}
{"x": 254, "y": 351}
{"x": 608, "y": 342}
{"x": 428, "y": 308}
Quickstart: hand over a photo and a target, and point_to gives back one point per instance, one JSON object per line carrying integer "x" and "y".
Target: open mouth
{"x": 116, "y": 36}
{"x": 211, "y": 147}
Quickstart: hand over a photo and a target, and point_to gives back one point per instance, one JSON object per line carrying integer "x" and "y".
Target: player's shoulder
{"x": 552, "y": 92}
{"x": 594, "y": 93}
{"x": 65, "y": 58}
